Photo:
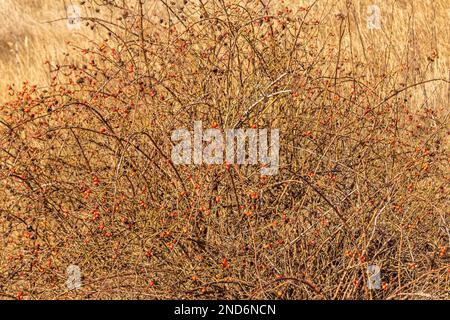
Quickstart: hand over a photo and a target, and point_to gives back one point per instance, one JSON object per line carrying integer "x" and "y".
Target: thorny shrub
{"x": 87, "y": 178}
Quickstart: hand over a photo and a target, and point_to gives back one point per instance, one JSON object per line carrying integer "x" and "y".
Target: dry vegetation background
{"x": 85, "y": 171}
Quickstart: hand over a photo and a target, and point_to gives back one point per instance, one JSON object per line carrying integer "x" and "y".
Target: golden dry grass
{"x": 33, "y": 32}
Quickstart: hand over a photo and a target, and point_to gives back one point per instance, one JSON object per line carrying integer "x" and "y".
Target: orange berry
{"x": 225, "y": 263}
